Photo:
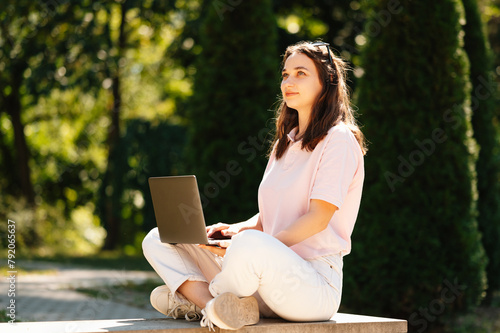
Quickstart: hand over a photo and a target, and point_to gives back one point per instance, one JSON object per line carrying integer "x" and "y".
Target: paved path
{"x": 51, "y": 296}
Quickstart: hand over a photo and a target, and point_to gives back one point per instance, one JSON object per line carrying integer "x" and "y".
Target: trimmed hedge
{"x": 416, "y": 247}
{"x": 483, "y": 106}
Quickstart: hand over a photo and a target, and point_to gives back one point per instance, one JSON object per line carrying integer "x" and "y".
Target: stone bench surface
{"x": 340, "y": 323}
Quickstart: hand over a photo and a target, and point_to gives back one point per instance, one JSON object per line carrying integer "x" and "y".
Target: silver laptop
{"x": 178, "y": 210}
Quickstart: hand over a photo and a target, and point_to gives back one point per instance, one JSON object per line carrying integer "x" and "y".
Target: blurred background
{"x": 97, "y": 96}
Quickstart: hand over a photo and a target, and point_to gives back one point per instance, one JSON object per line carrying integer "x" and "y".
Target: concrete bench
{"x": 340, "y": 323}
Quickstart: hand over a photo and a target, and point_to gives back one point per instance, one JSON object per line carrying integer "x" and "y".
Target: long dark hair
{"x": 331, "y": 107}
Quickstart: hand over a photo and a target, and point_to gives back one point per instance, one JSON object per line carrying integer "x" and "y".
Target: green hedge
{"x": 416, "y": 247}
{"x": 483, "y": 105}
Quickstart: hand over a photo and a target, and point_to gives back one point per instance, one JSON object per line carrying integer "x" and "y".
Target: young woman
{"x": 286, "y": 261}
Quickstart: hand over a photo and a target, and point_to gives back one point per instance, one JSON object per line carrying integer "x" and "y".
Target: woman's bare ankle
{"x": 196, "y": 292}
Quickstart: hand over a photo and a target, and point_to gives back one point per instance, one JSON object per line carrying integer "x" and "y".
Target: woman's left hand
{"x": 218, "y": 250}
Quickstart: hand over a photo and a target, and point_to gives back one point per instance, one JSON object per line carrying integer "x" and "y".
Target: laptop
{"x": 178, "y": 211}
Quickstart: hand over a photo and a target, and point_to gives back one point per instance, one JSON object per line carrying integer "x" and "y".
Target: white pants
{"x": 255, "y": 264}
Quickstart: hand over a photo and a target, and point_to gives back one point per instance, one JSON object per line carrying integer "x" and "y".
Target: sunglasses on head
{"x": 318, "y": 44}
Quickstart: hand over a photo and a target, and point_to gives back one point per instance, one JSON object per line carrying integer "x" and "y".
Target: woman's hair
{"x": 332, "y": 104}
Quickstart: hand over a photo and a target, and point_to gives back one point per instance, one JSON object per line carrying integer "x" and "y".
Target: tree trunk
{"x": 13, "y": 105}
{"x": 113, "y": 199}
{"x": 7, "y": 159}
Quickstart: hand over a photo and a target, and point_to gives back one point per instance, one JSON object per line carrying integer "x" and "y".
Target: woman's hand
{"x": 227, "y": 230}
{"x": 218, "y": 250}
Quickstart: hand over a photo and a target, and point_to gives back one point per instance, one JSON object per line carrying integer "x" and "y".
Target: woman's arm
{"x": 315, "y": 220}
{"x": 252, "y": 223}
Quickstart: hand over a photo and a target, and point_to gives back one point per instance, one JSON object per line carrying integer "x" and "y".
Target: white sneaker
{"x": 228, "y": 311}
{"x": 175, "y": 306}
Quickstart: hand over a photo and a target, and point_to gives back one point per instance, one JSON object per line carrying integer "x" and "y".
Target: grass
{"x": 3, "y": 317}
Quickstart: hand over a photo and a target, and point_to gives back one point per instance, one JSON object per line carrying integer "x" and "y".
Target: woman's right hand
{"x": 227, "y": 230}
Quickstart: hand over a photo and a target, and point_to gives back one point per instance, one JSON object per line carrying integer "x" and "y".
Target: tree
{"x": 39, "y": 56}
{"x": 114, "y": 44}
{"x": 235, "y": 85}
{"x": 416, "y": 247}
{"x": 115, "y": 26}
{"x": 488, "y": 163}
{"x": 43, "y": 51}
{"x": 28, "y": 35}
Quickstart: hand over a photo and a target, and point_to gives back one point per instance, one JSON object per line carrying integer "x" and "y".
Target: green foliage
{"x": 416, "y": 233}
{"x": 121, "y": 27}
{"x": 59, "y": 62}
{"x": 491, "y": 15}
{"x": 33, "y": 40}
{"x": 4, "y": 317}
{"x": 45, "y": 230}
{"x": 484, "y": 101}
{"x": 235, "y": 86}
{"x": 65, "y": 133}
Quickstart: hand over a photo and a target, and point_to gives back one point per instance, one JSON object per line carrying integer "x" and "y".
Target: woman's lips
{"x": 290, "y": 94}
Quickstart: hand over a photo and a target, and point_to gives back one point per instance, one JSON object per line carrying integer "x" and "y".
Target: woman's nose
{"x": 287, "y": 82}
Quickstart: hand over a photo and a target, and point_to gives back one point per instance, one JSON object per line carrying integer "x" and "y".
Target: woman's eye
{"x": 299, "y": 73}
{"x": 284, "y": 75}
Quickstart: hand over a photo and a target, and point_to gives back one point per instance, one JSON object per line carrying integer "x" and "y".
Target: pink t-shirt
{"x": 333, "y": 172}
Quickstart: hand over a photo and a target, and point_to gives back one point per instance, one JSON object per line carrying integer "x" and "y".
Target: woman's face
{"x": 300, "y": 83}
